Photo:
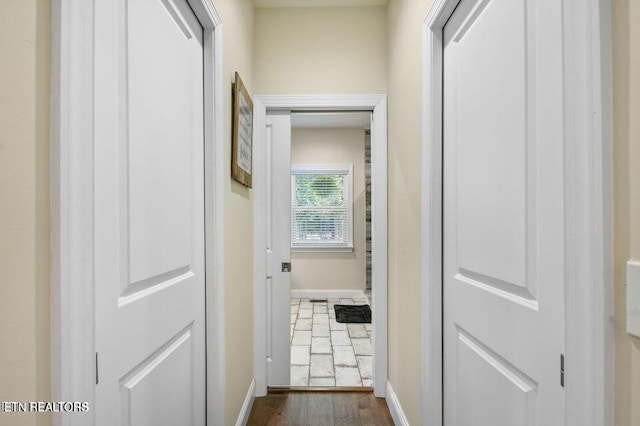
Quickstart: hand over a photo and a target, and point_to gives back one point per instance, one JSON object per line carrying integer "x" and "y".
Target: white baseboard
{"x": 243, "y": 417}
{"x": 394, "y": 407}
{"x": 327, "y": 294}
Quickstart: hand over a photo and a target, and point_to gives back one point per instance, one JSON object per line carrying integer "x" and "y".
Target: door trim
{"x": 72, "y": 293}
{"x": 378, "y": 105}
{"x": 588, "y": 253}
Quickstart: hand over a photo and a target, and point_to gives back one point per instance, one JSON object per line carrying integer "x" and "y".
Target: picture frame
{"x": 242, "y": 133}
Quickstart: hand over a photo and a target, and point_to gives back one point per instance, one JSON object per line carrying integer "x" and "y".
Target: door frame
{"x": 378, "y": 105}
{"x": 73, "y": 365}
{"x": 588, "y": 254}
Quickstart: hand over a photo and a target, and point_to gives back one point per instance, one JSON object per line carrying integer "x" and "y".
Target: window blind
{"x": 321, "y": 209}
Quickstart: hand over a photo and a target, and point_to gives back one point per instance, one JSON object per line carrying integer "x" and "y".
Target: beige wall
{"x": 24, "y": 206}
{"x": 405, "y": 97}
{"x": 320, "y": 50}
{"x": 238, "y": 20}
{"x": 332, "y": 270}
{"x": 626, "y": 144}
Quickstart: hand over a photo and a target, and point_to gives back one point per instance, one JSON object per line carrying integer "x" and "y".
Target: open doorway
{"x": 331, "y": 327}
{"x": 272, "y": 231}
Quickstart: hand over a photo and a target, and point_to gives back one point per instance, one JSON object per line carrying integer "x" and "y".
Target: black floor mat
{"x": 353, "y": 314}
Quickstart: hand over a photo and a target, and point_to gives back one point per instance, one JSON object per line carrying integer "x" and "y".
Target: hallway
{"x": 511, "y": 212}
{"x": 320, "y": 408}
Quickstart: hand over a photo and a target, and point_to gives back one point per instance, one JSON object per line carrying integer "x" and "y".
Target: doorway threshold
{"x": 332, "y": 389}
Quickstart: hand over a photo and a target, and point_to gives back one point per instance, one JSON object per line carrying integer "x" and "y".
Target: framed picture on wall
{"x": 242, "y": 133}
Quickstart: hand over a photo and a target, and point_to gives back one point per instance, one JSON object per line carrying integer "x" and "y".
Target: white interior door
{"x": 278, "y": 280}
{"x": 503, "y": 214}
{"x": 149, "y": 214}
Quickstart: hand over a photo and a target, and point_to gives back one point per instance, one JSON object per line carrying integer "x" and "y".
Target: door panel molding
{"x": 73, "y": 366}
{"x": 369, "y": 102}
{"x": 589, "y": 307}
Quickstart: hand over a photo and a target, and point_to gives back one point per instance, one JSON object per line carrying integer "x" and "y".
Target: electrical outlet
{"x": 633, "y": 298}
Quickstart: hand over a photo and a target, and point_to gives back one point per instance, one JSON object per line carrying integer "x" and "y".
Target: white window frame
{"x": 328, "y": 169}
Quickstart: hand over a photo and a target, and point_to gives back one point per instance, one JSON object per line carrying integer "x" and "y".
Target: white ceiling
{"x": 319, "y": 3}
{"x": 360, "y": 120}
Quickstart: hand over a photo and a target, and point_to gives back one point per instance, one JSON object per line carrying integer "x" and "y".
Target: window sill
{"x": 348, "y": 249}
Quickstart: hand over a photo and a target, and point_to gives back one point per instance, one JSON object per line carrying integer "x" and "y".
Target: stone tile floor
{"x": 325, "y": 352}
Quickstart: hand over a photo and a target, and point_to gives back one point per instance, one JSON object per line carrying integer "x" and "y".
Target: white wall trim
{"x": 379, "y": 248}
{"x": 587, "y": 79}
{"x": 245, "y": 411}
{"x": 72, "y": 326}
{"x": 431, "y": 214}
{"x": 259, "y": 180}
{"x": 72, "y": 295}
{"x": 327, "y": 294}
{"x": 322, "y": 102}
{"x": 589, "y": 299}
{"x": 395, "y": 408}
{"x": 377, "y": 104}
{"x": 214, "y": 207}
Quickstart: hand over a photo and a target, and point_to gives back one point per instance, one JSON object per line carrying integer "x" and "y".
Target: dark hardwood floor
{"x": 320, "y": 408}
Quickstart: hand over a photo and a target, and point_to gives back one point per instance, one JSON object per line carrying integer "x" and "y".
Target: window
{"x": 321, "y": 207}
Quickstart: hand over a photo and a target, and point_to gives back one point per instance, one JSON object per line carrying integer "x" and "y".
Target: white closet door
{"x": 504, "y": 232}
{"x": 149, "y": 213}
